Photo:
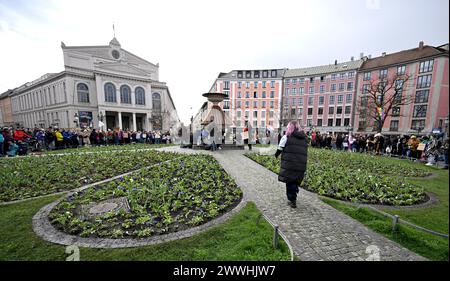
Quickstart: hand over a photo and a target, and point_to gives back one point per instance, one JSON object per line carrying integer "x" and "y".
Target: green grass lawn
{"x": 132, "y": 146}
{"x": 434, "y": 217}
{"x": 427, "y": 245}
{"x": 240, "y": 238}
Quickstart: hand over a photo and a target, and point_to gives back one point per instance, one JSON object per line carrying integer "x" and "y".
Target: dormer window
{"x": 115, "y": 54}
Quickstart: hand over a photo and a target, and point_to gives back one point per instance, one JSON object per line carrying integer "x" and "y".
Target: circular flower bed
{"x": 170, "y": 197}
{"x": 356, "y": 178}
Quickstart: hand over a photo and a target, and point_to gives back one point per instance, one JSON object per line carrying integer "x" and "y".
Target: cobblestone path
{"x": 315, "y": 230}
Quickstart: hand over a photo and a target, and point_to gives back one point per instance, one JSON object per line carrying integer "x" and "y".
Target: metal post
{"x": 275, "y": 237}
{"x": 395, "y": 223}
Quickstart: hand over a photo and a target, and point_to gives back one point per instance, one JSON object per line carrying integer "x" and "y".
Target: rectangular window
{"x": 332, "y": 98}
{"x": 322, "y": 88}
{"x": 420, "y": 111}
{"x": 320, "y": 111}
{"x": 333, "y": 76}
{"x": 256, "y": 73}
{"x": 422, "y": 96}
{"x": 255, "y": 114}
{"x": 418, "y": 125}
{"x": 341, "y": 87}
{"x": 350, "y": 86}
{"x": 300, "y": 101}
{"x": 272, "y": 94}
{"x": 238, "y": 114}
{"x": 226, "y": 85}
{"x": 338, "y": 122}
{"x": 272, "y": 84}
{"x": 301, "y": 90}
{"x": 310, "y": 110}
{"x": 401, "y": 70}
{"x": 255, "y": 84}
{"x": 264, "y": 84}
{"x": 342, "y": 75}
{"x": 339, "y": 110}
{"x": 271, "y": 114}
{"x": 239, "y": 95}
{"x": 263, "y": 95}
{"x": 255, "y": 104}
{"x": 383, "y": 73}
{"x": 226, "y": 104}
{"x": 294, "y": 81}
{"x": 340, "y": 99}
{"x": 247, "y": 104}
{"x": 239, "y": 84}
{"x": 239, "y": 104}
{"x": 321, "y": 100}
{"x": 286, "y": 92}
{"x": 294, "y": 91}
{"x": 309, "y": 122}
{"x": 366, "y": 88}
{"x": 271, "y": 104}
{"x": 351, "y": 74}
{"x": 311, "y": 79}
{"x": 348, "y": 109}
{"x": 255, "y": 95}
{"x": 348, "y": 98}
{"x": 311, "y": 89}
{"x": 248, "y": 74}
{"x": 395, "y": 111}
{"x": 319, "y": 122}
{"x": 240, "y": 75}
{"x": 300, "y": 112}
{"x": 301, "y": 80}
{"x": 346, "y": 121}
{"x": 394, "y": 125}
{"x": 426, "y": 66}
{"x": 246, "y": 114}
{"x": 263, "y": 104}
{"x": 247, "y": 85}
{"x": 292, "y": 111}
{"x": 424, "y": 81}
{"x": 333, "y": 87}
{"x": 367, "y": 76}
{"x": 265, "y": 73}
{"x": 273, "y": 73}
{"x": 330, "y": 122}
{"x": 331, "y": 110}
{"x": 255, "y": 124}
{"x": 310, "y": 100}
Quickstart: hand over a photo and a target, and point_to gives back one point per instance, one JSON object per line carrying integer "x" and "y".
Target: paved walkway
{"x": 315, "y": 230}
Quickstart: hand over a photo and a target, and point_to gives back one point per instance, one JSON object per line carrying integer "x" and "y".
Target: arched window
{"x": 125, "y": 94}
{"x": 156, "y": 100}
{"x": 83, "y": 92}
{"x": 140, "y": 95}
{"x": 110, "y": 92}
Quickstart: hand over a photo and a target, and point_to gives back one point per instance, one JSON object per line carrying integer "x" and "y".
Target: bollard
{"x": 395, "y": 223}
{"x": 275, "y": 237}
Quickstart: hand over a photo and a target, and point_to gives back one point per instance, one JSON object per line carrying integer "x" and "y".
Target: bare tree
{"x": 382, "y": 98}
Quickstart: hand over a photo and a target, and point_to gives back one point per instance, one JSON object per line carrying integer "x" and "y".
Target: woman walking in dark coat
{"x": 293, "y": 148}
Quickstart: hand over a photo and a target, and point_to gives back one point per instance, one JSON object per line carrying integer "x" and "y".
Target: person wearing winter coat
{"x": 293, "y": 148}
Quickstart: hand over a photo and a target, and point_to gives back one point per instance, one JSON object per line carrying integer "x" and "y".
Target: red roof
{"x": 403, "y": 56}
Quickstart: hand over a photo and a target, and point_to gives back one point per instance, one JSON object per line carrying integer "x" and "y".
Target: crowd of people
{"x": 426, "y": 148}
{"x": 20, "y": 141}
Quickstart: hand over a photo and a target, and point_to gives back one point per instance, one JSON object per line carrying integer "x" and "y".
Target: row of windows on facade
{"x": 331, "y": 100}
{"x": 257, "y": 74}
{"x": 125, "y": 95}
{"x": 423, "y": 81}
{"x": 424, "y": 66}
{"x": 255, "y": 84}
{"x": 331, "y": 122}
{"x": 312, "y": 89}
{"x": 262, "y": 124}
{"x": 320, "y": 110}
{"x": 49, "y": 95}
{"x": 416, "y": 125}
{"x": 255, "y": 95}
{"x": 322, "y": 78}
{"x": 37, "y": 119}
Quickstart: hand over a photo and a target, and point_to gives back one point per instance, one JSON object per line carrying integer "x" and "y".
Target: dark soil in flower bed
{"x": 170, "y": 197}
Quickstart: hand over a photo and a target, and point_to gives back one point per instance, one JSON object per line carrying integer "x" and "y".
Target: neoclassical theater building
{"x": 99, "y": 83}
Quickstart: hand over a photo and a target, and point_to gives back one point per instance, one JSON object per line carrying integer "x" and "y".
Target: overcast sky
{"x": 195, "y": 40}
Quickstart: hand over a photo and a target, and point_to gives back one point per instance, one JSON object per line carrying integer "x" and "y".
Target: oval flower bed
{"x": 27, "y": 177}
{"x": 170, "y": 197}
{"x": 354, "y": 177}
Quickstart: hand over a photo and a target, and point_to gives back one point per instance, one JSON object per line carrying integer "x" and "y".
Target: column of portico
{"x": 134, "y": 122}
{"x": 147, "y": 122}
{"x": 120, "y": 120}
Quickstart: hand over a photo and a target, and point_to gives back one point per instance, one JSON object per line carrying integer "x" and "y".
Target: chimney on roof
{"x": 352, "y": 58}
{"x": 420, "y": 45}
{"x": 335, "y": 62}
{"x": 361, "y": 55}
{"x": 383, "y": 54}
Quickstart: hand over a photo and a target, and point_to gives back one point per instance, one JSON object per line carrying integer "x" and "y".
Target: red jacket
{"x": 20, "y": 135}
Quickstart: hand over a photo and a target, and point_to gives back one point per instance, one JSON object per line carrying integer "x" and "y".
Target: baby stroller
{"x": 23, "y": 148}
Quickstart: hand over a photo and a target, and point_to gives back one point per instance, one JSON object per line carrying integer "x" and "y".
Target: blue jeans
{"x": 291, "y": 191}
{"x": 213, "y": 146}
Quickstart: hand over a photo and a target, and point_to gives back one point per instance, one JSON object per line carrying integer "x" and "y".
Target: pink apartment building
{"x": 321, "y": 97}
{"x": 253, "y": 96}
{"x": 426, "y": 88}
